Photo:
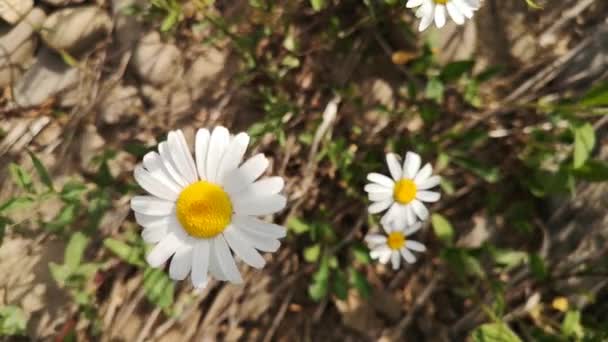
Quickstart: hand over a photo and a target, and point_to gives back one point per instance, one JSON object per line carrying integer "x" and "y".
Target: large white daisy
{"x": 404, "y": 194}
{"x": 395, "y": 244}
{"x": 429, "y": 10}
{"x": 201, "y": 208}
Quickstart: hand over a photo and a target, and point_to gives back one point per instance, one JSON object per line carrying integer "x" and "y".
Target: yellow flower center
{"x": 204, "y": 209}
{"x": 405, "y": 191}
{"x": 395, "y": 240}
{"x": 441, "y": 2}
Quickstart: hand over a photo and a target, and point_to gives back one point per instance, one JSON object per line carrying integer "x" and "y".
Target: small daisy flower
{"x": 429, "y": 10}
{"x": 404, "y": 194}
{"x": 395, "y": 244}
{"x": 199, "y": 209}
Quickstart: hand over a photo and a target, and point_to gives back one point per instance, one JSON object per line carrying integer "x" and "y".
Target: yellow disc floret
{"x": 441, "y": 2}
{"x": 204, "y": 209}
{"x": 405, "y": 191}
{"x": 395, "y": 240}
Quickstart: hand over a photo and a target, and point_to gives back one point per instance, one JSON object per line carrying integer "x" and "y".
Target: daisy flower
{"x": 404, "y": 194}
{"x": 395, "y": 244}
{"x": 199, "y": 209}
{"x": 429, "y": 10}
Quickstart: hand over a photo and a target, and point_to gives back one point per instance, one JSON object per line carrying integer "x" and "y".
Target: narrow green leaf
{"x": 596, "y": 97}
{"x": 13, "y": 321}
{"x": 41, "y": 171}
{"x": 340, "y": 284}
{"x": 16, "y": 203}
{"x": 127, "y": 253}
{"x": 584, "y": 141}
{"x": 21, "y": 177}
{"x": 359, "y": 282}
{"x": 298, "y": 226}
{"x": 311, "y": 253}
{"x": 74, "y": 250}
{"x": 571, "y": 325}
{"x": 494, "y": 332}
{"x": 159, "y": 289}
{"x": 593, "y": 171}
{"x": 454, "y": 70}
{"x": 317, "y": 5}
{"x": 443, "y": 229}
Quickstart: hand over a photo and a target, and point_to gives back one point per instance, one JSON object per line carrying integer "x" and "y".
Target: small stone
{"x": 13, "y": 10}
{"x": 127, "y": 28}
{"x": 76, "y": 29}
{"x": 156, "y": 62}
{"x": 121, "y": 102}
{"x": 17, "y": 46}
{"x": 49, "y": 76}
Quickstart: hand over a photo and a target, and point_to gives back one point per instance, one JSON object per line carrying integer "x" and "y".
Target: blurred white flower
{"x": 201, "y": 208}
{"x": 395, "y": 244}
{"x": 429, "y": 10}
{"x": 404, "y": 194}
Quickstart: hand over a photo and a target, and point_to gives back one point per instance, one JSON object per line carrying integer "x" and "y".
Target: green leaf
{"x": 462, "y": 262}
{"x": 60, "y": 273}
{"x": 16, "y": 203}
{"x": 443, "y": 229}
{"x": 125, "y": 252}
{"x": 593, "y": 171}
{"x": 3, "y": 224}
{"x": 359, "y": 282}
{"x": 488, "y": 173}
{"x": 66, "y": 216}
{"x": 508, "y": 257}
{"x": 73, "y": 192}
{"x": 74, "y": 250}
{"x": 340, "y": 285}
{"x": 584, "y": 141}
{"x": 571, "y": 325}
{"x": 317, "y": 5}
{"x": 21, "y": 177}
{"x": 434, "y": 89}
{"x": 494, "y": 332}
{"x": 361, "y": 253}
{"x": 537, "y": 266}
{"x": 41, "y": 171}
{"x": 311, "y": 253}
{"x": 159, "y": 289}
{"x": 12, "y": 321}
{"x": 596, "y": 97}
{"x": 320, "y": 281}
{"x": 453, "y": 71}
{"x": 533, "y": 4}
{"x": 298, "y": 226}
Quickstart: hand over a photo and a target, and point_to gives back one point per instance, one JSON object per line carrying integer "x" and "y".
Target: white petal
{"x": 225, "y": 260}
{"x": 200, "y": 263}
{"x": 252, "y": 169}
{"x": 233, "y": 155}
{"x": 154, "y": 235}
{"x": 376, "y": 188}
{"x": 169, "y": 166}
{"x": 420, "y": 210}
{"x": 392, "y": 160}
{"x": 411, "y": 229}
{"x": 181, "y": 263}
{"x": 413, "y": 3}
{"x": 383, "y": 253}
{"x": 428, "y": 196}
{"x": 182, "y": 156}
{"x": 380, "y": 206}
{"x": 259, "y": 227}
{"x": 260, "y": 241}
{"x": 378, "y": 196}
{"x": 201, "y": 146}
{"x": 149, "y": 221}
{"x": 415, "y": 246}
{"x": 259, "y": 206}
{"x": 408, "y": 256}
{"x": 440, "y": 16}
{"x": 381, "y": 179}
{"x": 395, "y": 260}
{"x": 153, "y": 163}
{"x": 426, "y": 14}
{"x": 454, "y": 13}
{"x": 392, "y": 215}
{"x": 163, "y": 251}
{"x": 411, "y": 165}
{"x": 465, "y": 9}
{"x": 151, "y": 205}
{"x": 264, "y": 187}
{"x": 153, "y": 185}
{"x": 220, "y": 137}
{"x": 242, "y": 247}
{"x": 424, "y": 173}
{"x": 474, "y": 4}
{"x": 375, "y": 239}
{"x": 410, "y": 216}
{"x": 428, "y": 183}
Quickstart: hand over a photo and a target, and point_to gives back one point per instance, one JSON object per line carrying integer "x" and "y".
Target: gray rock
{"x": 156, "y": 62}
{"x": 49, "y": 76}
{"x": 127, "y": 28}
{"x": 122, "y": 101}
{"x": 13, "y": 10}
{"x": 76, "y": 29}
{"x": 203, "y": 72}
{"x": 17, "y": 46}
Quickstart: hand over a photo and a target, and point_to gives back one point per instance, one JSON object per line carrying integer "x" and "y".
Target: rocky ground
{"x": 81, "y": 77}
